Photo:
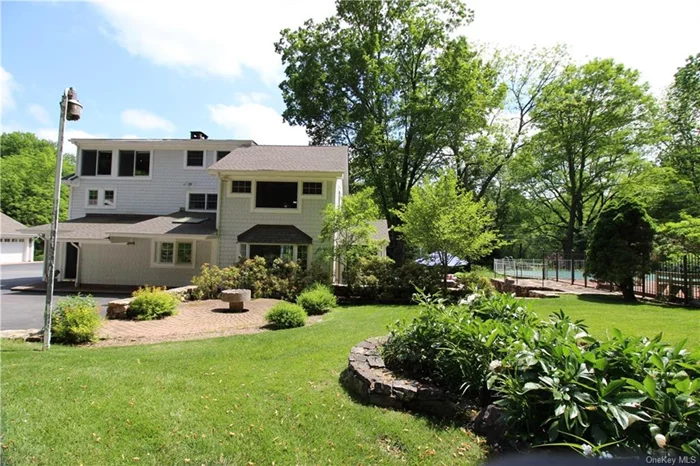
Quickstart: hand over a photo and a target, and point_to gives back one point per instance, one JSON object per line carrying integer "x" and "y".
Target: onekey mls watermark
{"x": 674, "y": 460}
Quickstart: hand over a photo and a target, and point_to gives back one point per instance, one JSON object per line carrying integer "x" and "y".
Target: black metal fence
{"x": 673, "y": 280}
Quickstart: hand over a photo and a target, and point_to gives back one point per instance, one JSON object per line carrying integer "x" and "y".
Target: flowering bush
{"x": 553, "y": 381}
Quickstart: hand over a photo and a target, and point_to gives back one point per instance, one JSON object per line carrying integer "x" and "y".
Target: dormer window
{"x": 194, "y": 159}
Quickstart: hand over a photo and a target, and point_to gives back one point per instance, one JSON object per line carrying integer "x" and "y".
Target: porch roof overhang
{"x": 102, "y": 227}
{"x": 274, "y": 234}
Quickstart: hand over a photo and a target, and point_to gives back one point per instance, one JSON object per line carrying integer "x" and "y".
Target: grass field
{"x": 271, "y": 397}
{"x": 602, "y": 313}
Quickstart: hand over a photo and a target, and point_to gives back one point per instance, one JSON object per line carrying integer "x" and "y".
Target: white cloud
{"x": 130, "y": 136}
{"x": 40, "y": 114}
{"x": 146, "y": 120}
{"x": 7, "y": 86}
{"x": 651, "y": 38}
{"x": 52, "y": 135}
{"x": 255, "y": 97}
{"x": 251, "y": 120}
{"x": 209, "y": 37}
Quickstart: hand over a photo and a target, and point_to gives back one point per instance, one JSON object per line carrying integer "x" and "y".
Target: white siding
{"x": 165, "y": 192}
{"x": 122, "y": 264}
{"x": 236, "y": 217}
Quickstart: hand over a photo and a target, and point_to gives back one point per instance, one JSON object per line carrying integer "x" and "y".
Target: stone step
{"x": 543, "y": 294}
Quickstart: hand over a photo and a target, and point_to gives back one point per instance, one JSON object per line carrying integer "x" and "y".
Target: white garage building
{"x": 15, "y": 247}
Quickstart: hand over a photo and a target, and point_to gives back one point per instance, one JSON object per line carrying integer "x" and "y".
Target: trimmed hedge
{"x": 318, "y": 299}
{"x": 151, "y": 303}
{"x": 286, "y": 315}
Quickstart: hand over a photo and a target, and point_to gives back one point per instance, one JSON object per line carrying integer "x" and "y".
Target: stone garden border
{"x": 368, "y": 379}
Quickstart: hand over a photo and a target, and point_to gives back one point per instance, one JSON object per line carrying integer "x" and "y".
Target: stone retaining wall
{"x": 369, "y": 379}
{"x": 117, "y": 309}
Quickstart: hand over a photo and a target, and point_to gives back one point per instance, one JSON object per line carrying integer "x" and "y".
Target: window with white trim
{"x": 241, "y": 187}
{"x": 220, "y": 154}
{"x": 101, "y": 198}
{"x": 312, "y": 189}
{"x": 173, "y": 253}
{"x": 134, "y": 163}
{"x": 96, "y": 162}
{"x": 194, "y": 159}
{"x": 202, "y": 201}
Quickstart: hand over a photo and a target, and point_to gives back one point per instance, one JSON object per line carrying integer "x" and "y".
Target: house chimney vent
{"x": 198, "y": 135}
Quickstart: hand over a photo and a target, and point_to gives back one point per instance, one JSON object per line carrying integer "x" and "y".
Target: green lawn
{"x": 602, "y": 313}
{"x": 271, "y": 397}
{"x": 260, "y": 398}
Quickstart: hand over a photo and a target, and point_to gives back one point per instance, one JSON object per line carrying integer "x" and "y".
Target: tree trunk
{"x": 627, "y": 288}
{"x": 397, "y": 248}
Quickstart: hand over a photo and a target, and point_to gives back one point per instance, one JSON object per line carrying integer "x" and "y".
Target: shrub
{"x": 286, "y": 315}
{"x": 75, "y": 320}
{"x": 212, "y": 280}
{"x": 474, "y": 281}
{"x": 253, "y": 275}
{"x": 150, "y": 303}
{"x": 551, "y": 379}
{"x": 318, "y": 299}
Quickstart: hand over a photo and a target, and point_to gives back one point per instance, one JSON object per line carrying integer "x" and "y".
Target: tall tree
{"x": 682, "y": 113}
{"x": 593, "y": 122}
{"x": 390, "y": 80}
{"x": 481, "y": 158}
{"x": 620, "y": 246}
{"x": 27, "y": 178}
{"x": 443, "y": 218}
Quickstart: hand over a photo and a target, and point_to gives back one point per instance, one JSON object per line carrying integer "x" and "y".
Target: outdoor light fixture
{"x": 71, "y": 109}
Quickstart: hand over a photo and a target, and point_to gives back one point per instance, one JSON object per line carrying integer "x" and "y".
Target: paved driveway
{"x": 22, "y": 310}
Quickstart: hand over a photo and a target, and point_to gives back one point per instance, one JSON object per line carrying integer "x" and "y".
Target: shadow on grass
{"x": 435, "y": 422}
{"x": 616, "y": 299}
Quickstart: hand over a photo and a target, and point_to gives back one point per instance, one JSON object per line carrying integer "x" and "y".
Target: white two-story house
{"x": 154, "y": 211}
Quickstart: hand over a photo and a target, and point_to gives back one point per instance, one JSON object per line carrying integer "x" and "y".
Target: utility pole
{"x": 70, "y": 110}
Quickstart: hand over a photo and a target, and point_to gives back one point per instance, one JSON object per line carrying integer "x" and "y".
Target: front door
{"x": 70, "y": 267}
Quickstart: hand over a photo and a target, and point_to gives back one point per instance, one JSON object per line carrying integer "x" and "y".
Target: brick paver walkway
{"x": 194, "y": 320}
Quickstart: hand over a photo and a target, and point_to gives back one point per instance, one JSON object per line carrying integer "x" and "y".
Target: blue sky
{"x": 156, "y": 68}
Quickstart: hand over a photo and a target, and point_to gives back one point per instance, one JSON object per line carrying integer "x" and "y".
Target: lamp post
{"x": 70, "y": 110}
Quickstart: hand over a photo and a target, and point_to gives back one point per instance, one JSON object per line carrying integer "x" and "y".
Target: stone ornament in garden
{"x": 236, "y": 299}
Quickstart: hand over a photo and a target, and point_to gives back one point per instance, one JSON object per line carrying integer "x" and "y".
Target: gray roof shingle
{"x": 285, "y": 158}
{"x": 274, "y": 234}
{"x": 11, "y": 227}
{"x": 102, "y": 226}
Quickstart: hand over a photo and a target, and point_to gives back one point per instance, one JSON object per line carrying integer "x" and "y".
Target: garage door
{"x": 11, "y": 251}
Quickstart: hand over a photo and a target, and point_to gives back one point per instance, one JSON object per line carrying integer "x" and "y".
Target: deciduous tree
{"x": 593, "y": 122}
{"x": 444, "y": 218}
{"x": 390, "y": 80}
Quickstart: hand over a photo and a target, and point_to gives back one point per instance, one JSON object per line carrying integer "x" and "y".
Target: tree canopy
{"x": 390, "y": 80}
{"x": 445, "y": 219}
{"x": 621, "y": 244}
{"x": 27, "y": 178}
{"x": 593, "y": 123}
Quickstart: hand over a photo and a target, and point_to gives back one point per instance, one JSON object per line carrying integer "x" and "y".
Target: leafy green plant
{"x": 286, "y": 315}
{"x": 551, "y": 379}
{"x": 318, "y": 299}
{"x": 150, "y": 303}
{"x": 211, "y": 280}
{"x": 474, "y": 281}
{"x": 75, "y": 320}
